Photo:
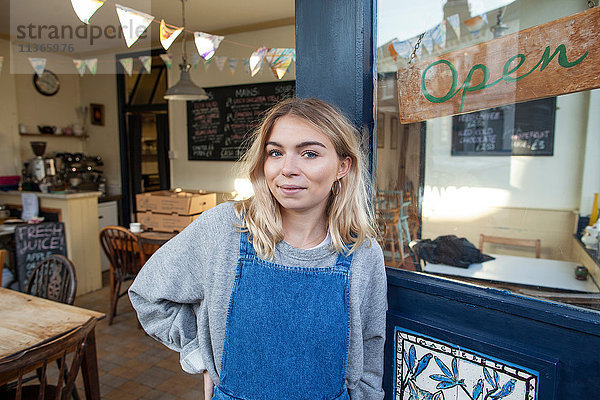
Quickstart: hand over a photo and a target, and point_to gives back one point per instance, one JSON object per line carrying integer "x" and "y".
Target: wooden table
{"x": 27, "y": 321}
{"x": 552, "y": 274}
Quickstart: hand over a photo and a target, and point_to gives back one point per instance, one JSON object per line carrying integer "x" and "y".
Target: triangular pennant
{"x": 279, "y": 60}
{"x": 220, "y": 62}
{"x": 207, "y": 63}
{"x": 38, "y": 64}
{"x": 168, "y": 34}
{"x": 256, "y": 60}
{"x": 133, "y": 23}
{"x": 86, "y": 8}
{"x": 1, "y": 62}
{"x": 146, "y": 62}
{"x": 196, "y": 59}
{"x": 393, "y": 52}
{"x": 475, "y": 24}
{"x": 438, "y": 34}
{"x": 207, "y": 44}
{"x": 233, "y": 62}
{"x": 428, "y": 42}
{"x": 403, "y": 48}
{"x": 246, "y": 64}
{"x": 80, "y": 66}
{"x": 127, "y": 64}
{"x": 92, "y": 65}
{"x": 167, "y": 59}
{"x": 455, "y": 24}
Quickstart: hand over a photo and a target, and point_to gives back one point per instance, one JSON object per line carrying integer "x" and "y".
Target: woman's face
{"x": 300, "y": 165}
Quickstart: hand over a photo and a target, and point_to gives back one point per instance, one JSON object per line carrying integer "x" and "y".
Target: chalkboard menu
{"x": 35, "y": 242}
{"x": 217, "y": 127}
{"x": 523, "y": 129}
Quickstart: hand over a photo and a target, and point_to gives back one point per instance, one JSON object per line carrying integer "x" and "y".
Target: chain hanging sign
{"x": 555, "y": 58}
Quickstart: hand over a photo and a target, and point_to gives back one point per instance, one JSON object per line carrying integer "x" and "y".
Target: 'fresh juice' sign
{"x": 555, "y": 58}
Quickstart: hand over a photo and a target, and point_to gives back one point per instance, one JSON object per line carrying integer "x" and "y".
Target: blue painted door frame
{"x": 335, "y": 45}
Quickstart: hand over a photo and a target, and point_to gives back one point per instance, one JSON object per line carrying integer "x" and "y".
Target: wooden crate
{"x": 181, "y": 203}
{"x": 164, "y": 222}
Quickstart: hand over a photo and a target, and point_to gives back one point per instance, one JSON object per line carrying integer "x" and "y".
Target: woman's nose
{"x": 289, "y": 167}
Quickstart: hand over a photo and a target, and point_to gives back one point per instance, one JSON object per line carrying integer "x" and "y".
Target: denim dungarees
{"x": 287, "y": 331}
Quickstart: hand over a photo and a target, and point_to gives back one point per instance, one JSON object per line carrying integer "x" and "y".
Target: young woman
{"x": 283, "y": 295}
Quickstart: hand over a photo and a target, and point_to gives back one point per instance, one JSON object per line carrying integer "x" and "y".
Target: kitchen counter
{"x": 79, "y": 212}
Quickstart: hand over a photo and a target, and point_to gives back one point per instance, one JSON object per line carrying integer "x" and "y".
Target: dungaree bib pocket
{"x": 287, "y": 331}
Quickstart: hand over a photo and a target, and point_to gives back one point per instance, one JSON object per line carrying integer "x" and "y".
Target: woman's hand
{"x": 208, "y": 386}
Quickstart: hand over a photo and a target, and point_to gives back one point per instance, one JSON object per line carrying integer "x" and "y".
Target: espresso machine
{"x": 38, "y": 172}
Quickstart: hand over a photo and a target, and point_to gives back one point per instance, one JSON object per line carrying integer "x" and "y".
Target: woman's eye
{"x": 310, "y": 154}
{"x": 274, "y": 153}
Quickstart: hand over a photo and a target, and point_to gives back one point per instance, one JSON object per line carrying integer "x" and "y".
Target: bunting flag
{"x": 167, "y": 59}
{"x": 279, "y": 60}
{"x": 80, "y": 66}
{"x": 92, "y": 65}
{"x": 246, "y": 64}
{"x": 413, "y": 42}
{"x": 168, "y": 34}
{"x": 233, "y": 62}
{"x": 402, "y": 48}
{"x": 220, "y": 61}
{"x": 196, "y": 59}
{"x": 146, "y": 62}
{"x": 475, "y": 24}
{"x": 256, "y": 60}
{"x": 393, "y": 52}
{"x": 86, "y": 8}
{"x": 428, "y": 42}
{"x": 38, "y": 64}
{"x": 1, "y": 62}
{"x": 207, "y": 44}
{"x": 133, "y": 23}
{"x": 438, "y": 34}
{"x": 127, "y": 64}
{"x": 455, "y": 24}
{"x": 207, "y": 63}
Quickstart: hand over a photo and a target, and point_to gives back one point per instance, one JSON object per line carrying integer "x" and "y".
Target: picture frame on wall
{"x": 380, "y": 130}
{"x": 97, "y": 114}
{"x": 394, "y": 133}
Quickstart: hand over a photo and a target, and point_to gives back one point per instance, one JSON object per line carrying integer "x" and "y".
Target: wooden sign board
{"x": 35, "y": 242}
{"x": 555, "y": 58}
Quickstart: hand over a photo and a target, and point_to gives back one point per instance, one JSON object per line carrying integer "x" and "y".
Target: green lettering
{"x": 506, "y": 72}
{"x": 450, "y": 93}
{"x": 481, "y": 85}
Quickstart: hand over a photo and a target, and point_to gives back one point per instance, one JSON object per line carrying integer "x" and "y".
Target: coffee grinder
{"x": 39, "y": 172}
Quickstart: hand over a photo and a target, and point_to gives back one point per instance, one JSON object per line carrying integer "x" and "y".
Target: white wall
{"x": 10, "y": 160}
{"x": 217, "y": 175}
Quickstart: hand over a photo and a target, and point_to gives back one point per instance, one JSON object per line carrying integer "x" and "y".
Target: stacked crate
{"x": 171, "y": 211}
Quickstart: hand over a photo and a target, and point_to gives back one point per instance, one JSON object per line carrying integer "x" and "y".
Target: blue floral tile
{"x": 431, "y": 369}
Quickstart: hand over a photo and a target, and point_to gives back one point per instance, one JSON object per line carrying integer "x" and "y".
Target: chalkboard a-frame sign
{"x": 217, "y": 127}
{"x": 522, "y": 129}
{"x": 35, "y": 242}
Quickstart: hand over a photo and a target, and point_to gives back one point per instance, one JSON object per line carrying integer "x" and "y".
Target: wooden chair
{"x": 2, "y": 257}
{"x": 37, "y": 358}
{"x": 392, "y": 220}
{"x": 122, "y": 250}
{"x": 533, "y": 243}
{"x": 53, "y": 279}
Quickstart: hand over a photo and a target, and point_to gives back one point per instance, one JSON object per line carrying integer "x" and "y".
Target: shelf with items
{"x": 54, "y": 135}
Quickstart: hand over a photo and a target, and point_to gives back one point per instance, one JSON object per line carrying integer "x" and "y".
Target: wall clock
{"x": 47, "y": 84}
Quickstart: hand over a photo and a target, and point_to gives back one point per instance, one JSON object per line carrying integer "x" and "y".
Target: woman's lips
{"x": 291, "y": 189}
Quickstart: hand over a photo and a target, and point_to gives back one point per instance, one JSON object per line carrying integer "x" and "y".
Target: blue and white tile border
{"x": 428, "y": 368}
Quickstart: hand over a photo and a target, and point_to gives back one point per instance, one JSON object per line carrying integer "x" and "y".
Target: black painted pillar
{"x": 335, "y": 59}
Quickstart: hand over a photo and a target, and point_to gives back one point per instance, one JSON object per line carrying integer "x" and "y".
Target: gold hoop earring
{"x": 336, "y": 187}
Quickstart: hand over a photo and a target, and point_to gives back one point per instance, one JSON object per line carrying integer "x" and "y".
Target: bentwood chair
{"x": 122, "y": 250}
{"x": 533, "y": 243}
{"x": 53, "y": 279}
{"x": 2, "y": 257}
{"x": 16, "y": 366}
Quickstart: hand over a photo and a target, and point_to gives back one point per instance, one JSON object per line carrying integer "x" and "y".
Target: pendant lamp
{"x": 185, "y": 89}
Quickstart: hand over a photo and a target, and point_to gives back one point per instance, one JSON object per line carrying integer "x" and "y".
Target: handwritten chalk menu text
{"x": 217, "y": 127}
{"x": 35, "y": 242}
{"x": 523, "y": 129}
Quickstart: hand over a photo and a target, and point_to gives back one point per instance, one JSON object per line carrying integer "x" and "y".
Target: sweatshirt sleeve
{"x": 373, "y": 310}
{"x": 168, "y": 292}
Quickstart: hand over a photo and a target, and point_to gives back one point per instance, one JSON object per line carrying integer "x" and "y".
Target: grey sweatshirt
{"x": 182, "y": 295}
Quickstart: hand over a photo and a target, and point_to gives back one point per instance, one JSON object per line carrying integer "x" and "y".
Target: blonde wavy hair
{"x": 349, "y": 217}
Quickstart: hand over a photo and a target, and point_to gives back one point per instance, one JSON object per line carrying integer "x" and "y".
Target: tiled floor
{"x": 131, "y": 364}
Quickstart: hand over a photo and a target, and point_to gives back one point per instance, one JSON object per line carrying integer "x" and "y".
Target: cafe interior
{"x": 106, "y": 140}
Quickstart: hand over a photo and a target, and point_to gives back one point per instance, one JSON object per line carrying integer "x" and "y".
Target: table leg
{"x": 89, "y": 368}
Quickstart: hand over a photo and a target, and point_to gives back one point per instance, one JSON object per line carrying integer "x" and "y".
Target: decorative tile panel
{"x": 431, "y": 369}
